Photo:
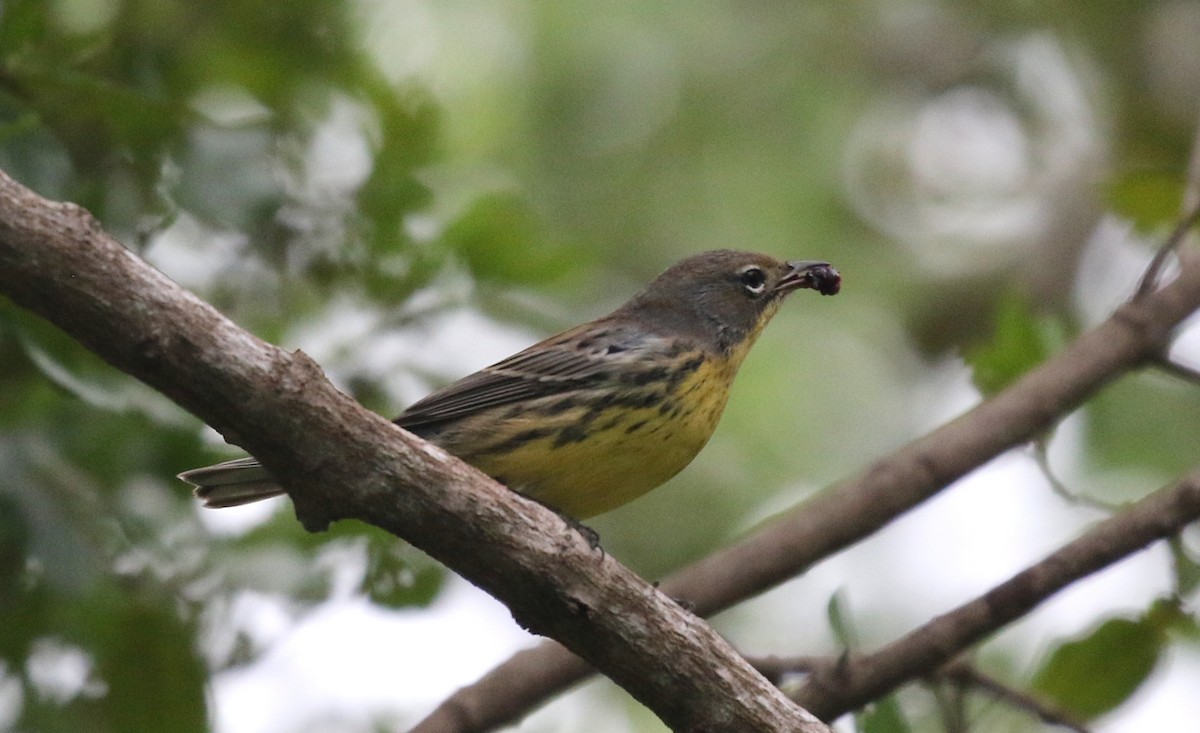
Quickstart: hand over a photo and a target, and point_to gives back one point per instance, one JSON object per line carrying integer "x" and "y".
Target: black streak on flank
{"x": 518, "y": 440}
{"x": 573, "y": 434}
{"x": 650, "y": 376}
{"x": 556, "y": 407}
{"x": 691, "y": 365}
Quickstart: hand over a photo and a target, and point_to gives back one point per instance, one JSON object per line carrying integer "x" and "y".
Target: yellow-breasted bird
{"x": 601, "y": 413}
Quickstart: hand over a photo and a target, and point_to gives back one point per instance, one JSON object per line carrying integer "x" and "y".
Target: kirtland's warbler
{"x": 598, "y": 415}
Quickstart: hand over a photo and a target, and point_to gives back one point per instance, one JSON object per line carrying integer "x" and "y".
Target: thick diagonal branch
{"x": 338, "y": 460}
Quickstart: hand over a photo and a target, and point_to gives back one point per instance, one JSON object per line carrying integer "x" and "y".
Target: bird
{"x": 602, "y": 413}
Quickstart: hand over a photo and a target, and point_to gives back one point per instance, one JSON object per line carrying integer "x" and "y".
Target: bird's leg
{"x": 589, "y": 535}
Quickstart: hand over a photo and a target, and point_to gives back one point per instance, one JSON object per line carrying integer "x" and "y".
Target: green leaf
{"x": 882, "y": 716}
{"x": 1021, "y": 340}
{"x": 142, "y": 669}
{"x": 152, "y": 670}
{"x": 1095, "y": 674}
{"x": 278, "y": 556}
{"x": 398, "y": 575}
{"x": 500, "y": 238}
{"x": 1186, "y": 567}
{"x": 1166, "y": 412}
{"x": 14, "y": 547}
{"x": 1149, "y": 198}
{"x": 840, "y": 622}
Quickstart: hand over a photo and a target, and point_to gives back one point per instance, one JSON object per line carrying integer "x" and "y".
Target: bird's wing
{"x": 581, "y": 357}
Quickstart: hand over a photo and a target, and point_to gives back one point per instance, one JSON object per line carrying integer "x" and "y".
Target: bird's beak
{"x": 815, "y": 274}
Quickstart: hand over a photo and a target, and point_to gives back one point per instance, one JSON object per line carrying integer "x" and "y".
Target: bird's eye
{"x": 753, "y": 279}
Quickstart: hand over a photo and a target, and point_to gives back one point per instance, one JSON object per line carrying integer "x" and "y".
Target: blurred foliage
{"x": 1186, "y": 567}
{"x": 1147, "y": 198}
{"x": 153, "y": 115}
{"x": 841, "y": 623}
{"x": 1166, "y": 413}
{"x": 882, "y": 716}
{"x": 1020, "y": 342}
{"x": 351, "y": 178}
{"x": 1090, "y": 676}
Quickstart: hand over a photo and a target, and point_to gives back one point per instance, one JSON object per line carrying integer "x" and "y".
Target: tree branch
{"x": 1132, "y": 337}
{"x": 1153, "y": 272}
{"x": 1177, "y": 368}
{"x": 338, "y": 461}
{"x": 967, "y": 676}
{"x": 846, "y": 685}
{"x": 958, "y": 672}
{"x": 777, "y": 669}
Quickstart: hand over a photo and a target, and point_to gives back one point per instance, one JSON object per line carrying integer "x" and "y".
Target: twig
{"x": 1189, "y": 215}
{"x": 1179, "y": 369}
{"x": 1041, "y": 455}
{"x": 829, "y": 692}
{"x": 958, "y": 672}
{"x": 951, "y": 706}
{"x": 1191, "y": 192}
{"x": 1154, "y": 270}
{"x": 776, "y": 668}
{"x": 966, "y": 675}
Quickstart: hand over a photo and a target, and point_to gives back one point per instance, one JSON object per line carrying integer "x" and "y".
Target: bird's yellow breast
{"x": 584, "y": 460}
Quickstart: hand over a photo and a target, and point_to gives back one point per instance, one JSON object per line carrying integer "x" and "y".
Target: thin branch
{"x": 951, "y": 707}
{"x": 857, "y": 507}
{"x": 831, "y": 691}
{"x": 966, "y": 675}
{"x": 776, "y": 668}
{"x": 1041, "y": 455}
{"x": 338, "y": 460}
{"x": 1191, "y": 192}
{"x": 1150, "y": 278}
{"x": 1179, "y": 369}
{"x": 1189, "y": 215}
{"x": 958, "y": 672}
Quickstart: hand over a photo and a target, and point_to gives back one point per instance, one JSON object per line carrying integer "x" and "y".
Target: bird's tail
{"x": 232, "y": 483}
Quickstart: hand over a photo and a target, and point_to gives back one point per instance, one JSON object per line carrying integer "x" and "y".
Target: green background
{"x": 411, "y": 190}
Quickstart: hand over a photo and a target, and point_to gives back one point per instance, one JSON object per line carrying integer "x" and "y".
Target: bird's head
{"x": 724, "y": 297}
